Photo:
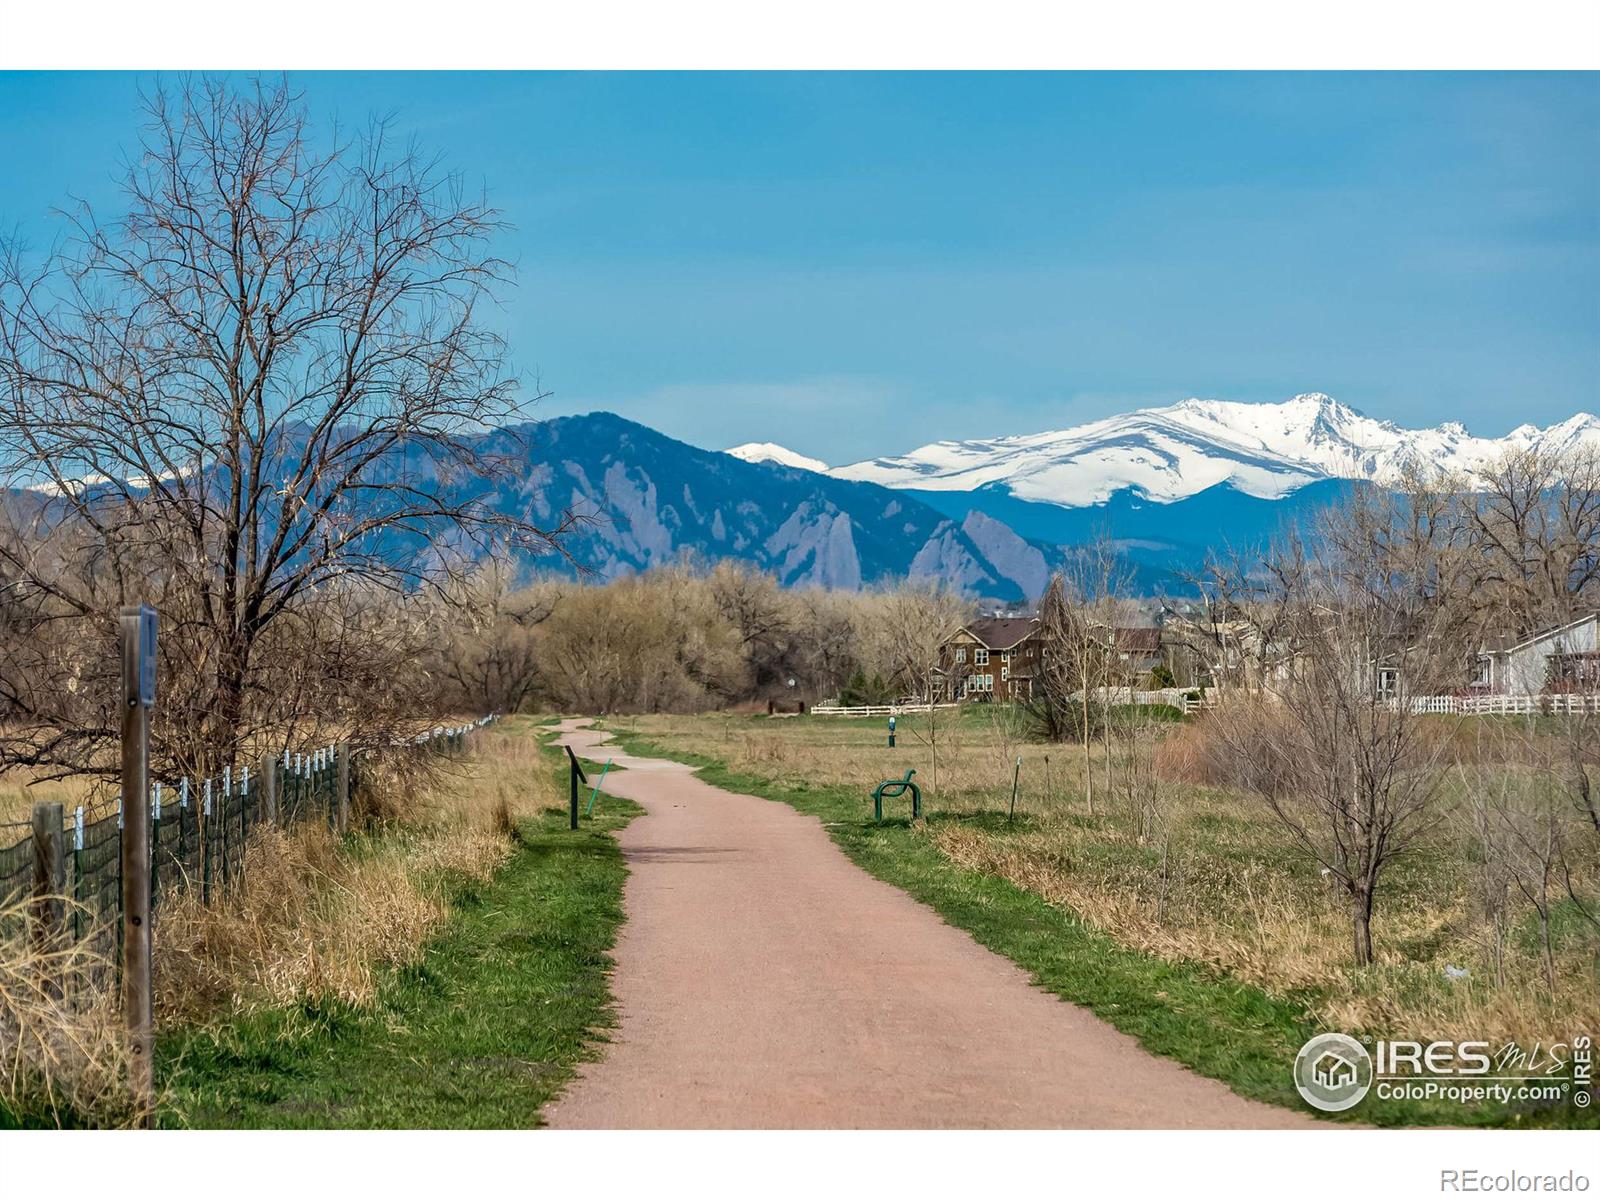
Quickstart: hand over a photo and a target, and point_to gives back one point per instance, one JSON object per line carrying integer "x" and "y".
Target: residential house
{"x": 1139, "y": 650}
{"x": 1563, "y": 659}
{"x": 996, "y": 658}
{"x": 993, "y": 658}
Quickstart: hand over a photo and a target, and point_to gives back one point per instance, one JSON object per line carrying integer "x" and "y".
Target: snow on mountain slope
{"x": 758, "y": 452}
{"x": 1166, "y": 454}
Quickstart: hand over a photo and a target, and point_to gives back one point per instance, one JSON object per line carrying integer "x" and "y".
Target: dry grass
{"x": 315, "y": 918}
{"x": 21, "y": 790}
{"x": 64, "y": 1058}
{"x": 1217, "y": 881}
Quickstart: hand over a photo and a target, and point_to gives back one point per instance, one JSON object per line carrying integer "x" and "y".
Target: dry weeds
{"x": 64, "y": 1057}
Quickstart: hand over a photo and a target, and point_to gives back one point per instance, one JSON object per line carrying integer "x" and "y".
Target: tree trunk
{"x": 1362, "y": 928}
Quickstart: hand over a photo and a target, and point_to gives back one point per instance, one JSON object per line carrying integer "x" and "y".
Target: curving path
{"x": 765, "y": 981}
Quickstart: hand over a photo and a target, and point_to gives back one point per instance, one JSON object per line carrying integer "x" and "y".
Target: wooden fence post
{"x": 342, "y": 788}
{"x": 49, "y": 878}
{"x": 268, "y": 783}
{"x": 138, "y": 697}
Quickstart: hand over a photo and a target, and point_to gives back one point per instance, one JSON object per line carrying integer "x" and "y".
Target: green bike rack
{"x": 897, "y": 787}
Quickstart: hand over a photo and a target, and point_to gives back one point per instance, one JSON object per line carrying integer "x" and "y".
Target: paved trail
{"x": 765, "y": 981}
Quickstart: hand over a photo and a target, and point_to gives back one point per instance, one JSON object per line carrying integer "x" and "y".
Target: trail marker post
{"x": 138, "y": 698}
{"x": 575, "y": 775}
{"x": 891, "y": 732}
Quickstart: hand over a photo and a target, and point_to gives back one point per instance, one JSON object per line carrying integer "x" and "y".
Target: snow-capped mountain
{"x": 1168, "y": 454}
{"x": 771, "y": 452}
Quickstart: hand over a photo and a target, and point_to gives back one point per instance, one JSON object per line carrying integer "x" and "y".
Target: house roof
{"x": 1147, "y": 639}
{"x": 1002, "y": 633}
{"x": 1554, "y": 632}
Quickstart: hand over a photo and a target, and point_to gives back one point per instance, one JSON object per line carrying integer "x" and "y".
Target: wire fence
{"x": 198, "y": 833}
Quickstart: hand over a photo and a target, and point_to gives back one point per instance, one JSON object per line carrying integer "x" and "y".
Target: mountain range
{"x": 993, "y": 517}
{"x": 1168, "y": 454}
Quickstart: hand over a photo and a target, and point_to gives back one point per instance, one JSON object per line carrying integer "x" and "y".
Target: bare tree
{"x": 1333, "y": 743}
{"x": 1077, "y": 633}
{"x": 489, "y": 656}
{"x": 267, "y": 378}
{"x": 908, "y": 627}
{"x": 1534, "y": 520}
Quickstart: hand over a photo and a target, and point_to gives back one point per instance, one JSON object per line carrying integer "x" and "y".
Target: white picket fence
{"x": 1174, "y": 697}
{"x": 872, "y": 710}
{"x": 1178, "y": 698}
{"x": 1560, "y": 704}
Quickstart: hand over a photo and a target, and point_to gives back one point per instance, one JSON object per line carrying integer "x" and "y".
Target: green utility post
{"x": 891, "y": 731}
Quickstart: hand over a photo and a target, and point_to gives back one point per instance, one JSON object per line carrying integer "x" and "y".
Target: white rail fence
{"x": 872, "y": 710}
{"x": 1186, "y": 700}
{"x": 1555, "y": 704}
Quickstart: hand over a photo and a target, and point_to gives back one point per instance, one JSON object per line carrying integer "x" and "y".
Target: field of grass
{"x": 1216, "y": 942}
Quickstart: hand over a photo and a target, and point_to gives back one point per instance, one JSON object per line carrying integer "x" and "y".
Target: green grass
{"x": 1219, "y": 1026}
{"x": 487, "y": 1029}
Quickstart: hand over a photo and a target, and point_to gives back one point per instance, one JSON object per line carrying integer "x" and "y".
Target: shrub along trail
{"x": 763, "y": 980}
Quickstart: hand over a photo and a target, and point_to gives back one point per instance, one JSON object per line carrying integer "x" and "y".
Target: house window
{"x": 1005, "y": 656}
{"x": 1388, "y": 681}
{"x": 961, "y": 654}
{"x": 1482, "y": 670}
{"x": 1005, "y": 673}
{"x": 980, "y": 657}
{"x": 1574, "y": 672}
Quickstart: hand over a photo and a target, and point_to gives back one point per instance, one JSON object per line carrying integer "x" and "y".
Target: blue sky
{"x": 854, "y": 264}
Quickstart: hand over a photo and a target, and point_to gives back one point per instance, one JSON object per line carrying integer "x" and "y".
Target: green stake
{"x": 590, "y": 810}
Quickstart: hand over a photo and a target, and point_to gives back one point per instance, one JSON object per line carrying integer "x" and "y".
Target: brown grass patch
{"x": 63, "y": 1058}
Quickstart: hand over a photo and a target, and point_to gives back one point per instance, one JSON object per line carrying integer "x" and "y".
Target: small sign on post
{"x": 138, "y": 698}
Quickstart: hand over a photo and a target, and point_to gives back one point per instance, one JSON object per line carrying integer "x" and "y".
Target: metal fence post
{"x": 77, "y": 875}
{"x": 205, "y": 843}
{"x": 155, "y": 844}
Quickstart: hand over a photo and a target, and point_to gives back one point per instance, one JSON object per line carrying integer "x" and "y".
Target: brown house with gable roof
{"x": 996, "y": 658}
{"x": 991, "y": 659}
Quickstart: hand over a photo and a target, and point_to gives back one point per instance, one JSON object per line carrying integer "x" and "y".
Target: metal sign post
{"x": 891, "y": 732}
{"x": 138, "y": 698}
